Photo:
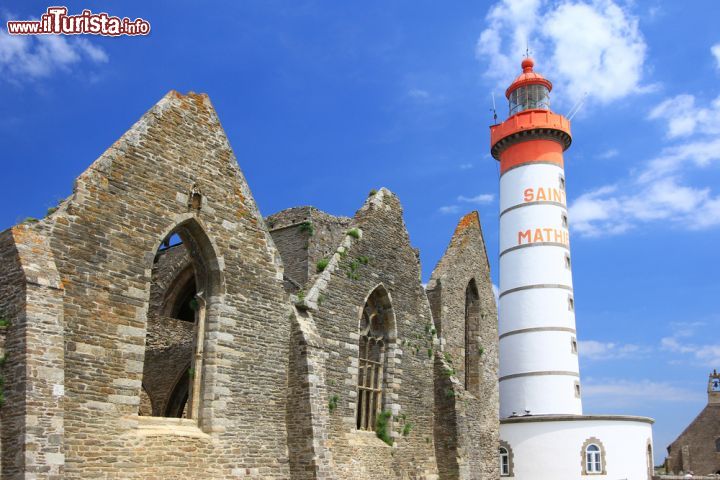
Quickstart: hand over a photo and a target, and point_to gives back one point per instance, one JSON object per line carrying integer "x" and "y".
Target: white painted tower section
{"x": 539, "y": 368}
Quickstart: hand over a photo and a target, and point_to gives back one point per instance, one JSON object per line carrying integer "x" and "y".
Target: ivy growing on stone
{"x": 354, "y": 266}
{"x": 354, "y": 233}
{"x": 372, "y": 192}
{"x": 382, "y": 427}
{"x": 308, "y": 228}
{"x": 321, "y": 265}
{"x": 405, "y": 426}
{"x": 332, "y": 403}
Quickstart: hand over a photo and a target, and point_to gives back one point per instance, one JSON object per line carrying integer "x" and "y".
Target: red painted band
{"x": 531, "y": 151}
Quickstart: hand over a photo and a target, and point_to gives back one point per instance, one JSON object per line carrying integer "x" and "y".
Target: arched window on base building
{"x": 593, "y": 457}
{"x": 505, "y": 456}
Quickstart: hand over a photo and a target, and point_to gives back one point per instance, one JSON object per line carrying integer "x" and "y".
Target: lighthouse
{"x": 544, "y": 434}
{"x": 539, "y": 371}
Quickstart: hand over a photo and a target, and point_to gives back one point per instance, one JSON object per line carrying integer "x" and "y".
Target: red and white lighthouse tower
{"x": 539, "y": 370}
{"x": 543, "y": 432}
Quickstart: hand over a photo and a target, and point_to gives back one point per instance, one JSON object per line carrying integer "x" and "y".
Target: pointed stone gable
{"x": 174, "y": 168}
{"x": 465, "y": 315}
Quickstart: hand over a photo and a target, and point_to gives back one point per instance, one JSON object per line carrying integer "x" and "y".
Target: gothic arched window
{"x": 185, "y": 272}
{"x": 472, "y": 331}
{"x": 376, "y": 325}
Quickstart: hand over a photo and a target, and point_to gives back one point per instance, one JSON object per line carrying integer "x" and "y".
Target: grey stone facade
{"x": 235, "y": 354}
{"x": 697, "y": 448}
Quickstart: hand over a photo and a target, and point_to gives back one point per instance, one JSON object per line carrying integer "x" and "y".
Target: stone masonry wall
{"x": 167, "y": 358}
{"x": 304, "y": 235}
{"x": 474, "y": 420}
{"x": 105, "y": 237}
{"x": 12, "y": 309}
{"x": 694, "y": 450}
{"x": 381, "y": 256}
{"x": 33, "y": 413}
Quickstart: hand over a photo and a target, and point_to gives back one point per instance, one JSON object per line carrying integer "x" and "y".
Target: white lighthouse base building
{"x": 570, "y": 447}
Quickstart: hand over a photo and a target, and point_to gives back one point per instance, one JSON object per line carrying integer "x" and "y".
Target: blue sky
{"x": 323, "y": 101}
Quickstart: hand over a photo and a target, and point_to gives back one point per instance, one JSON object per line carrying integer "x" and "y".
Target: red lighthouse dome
{"x": 528, "y": 77}
{"x": 532, "y": 132}
{"x": 529, "y": 91}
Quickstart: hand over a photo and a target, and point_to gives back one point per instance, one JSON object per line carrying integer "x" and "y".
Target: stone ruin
{"x": 156, "y": 326}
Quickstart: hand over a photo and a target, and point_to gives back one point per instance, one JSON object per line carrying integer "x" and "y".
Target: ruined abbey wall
{"x": 380, "y": 257}
{"x": 106, "y": 326}
{"x": 465, "y": 314}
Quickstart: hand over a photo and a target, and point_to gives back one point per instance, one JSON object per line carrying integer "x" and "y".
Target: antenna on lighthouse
{"x": 576, "y": 108}
{"x": 493, "y": 109}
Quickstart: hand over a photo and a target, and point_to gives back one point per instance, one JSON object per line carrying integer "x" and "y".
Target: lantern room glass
{"x": 530, "y": 97}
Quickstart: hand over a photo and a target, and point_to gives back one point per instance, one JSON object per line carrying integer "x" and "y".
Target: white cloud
{"x": 594, "y": 47}
{"x": 684, "y": 118}
{"x": 610, "y": 211}
{"x": 482, "y": 199}
{"x": 679, "y": 342}
{"x": 94, "y": 53}
{"x": 700, "y": 153}
{"x": 449, "y": 209}
{"x": 622, "y": 392}
{"x": 34, "y": 57}
{"x": 607, "y": 154}
{"x": 466, "y": 166}
{"x": 419, "y": 94}
{"x": 595, "y": 350}
{"x": 716, "y": 53}
{"x": 656, "y": 191}
{"x": 496, "y": 292}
